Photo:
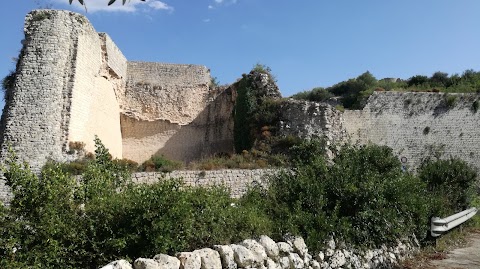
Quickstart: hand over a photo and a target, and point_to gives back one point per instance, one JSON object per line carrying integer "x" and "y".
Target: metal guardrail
{"x": 440, "y": 226}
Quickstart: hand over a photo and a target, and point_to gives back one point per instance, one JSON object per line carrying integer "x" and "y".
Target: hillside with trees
{"x": 353, "y": 93}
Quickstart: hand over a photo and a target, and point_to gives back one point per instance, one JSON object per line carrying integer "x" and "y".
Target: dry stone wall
{"x": 236, "y": 180}
{"x": 263, "y": 252}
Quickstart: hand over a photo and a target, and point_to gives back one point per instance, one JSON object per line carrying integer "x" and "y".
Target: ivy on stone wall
{"x": 257, "y": 107}
{"x": 244, "y": 106}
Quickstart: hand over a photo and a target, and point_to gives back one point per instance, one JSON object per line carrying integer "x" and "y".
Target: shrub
{"x": 340, "y": 108}
{"x": 159, "y": 163}
{"x": 56, "y": 222}
{"x": 426, "y": 130}
{"x": 374, "y": 201}
{"x": 450, "y": 100}
{"x": 363, "y": 197}
{"x": 76, "y": 146}
{"x": 451, "y": 184}
{"x": 132, "y": 166}
{"x": 475, "y": 106}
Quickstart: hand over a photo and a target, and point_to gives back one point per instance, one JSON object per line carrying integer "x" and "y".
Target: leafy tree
{"x": 440, "y": 79}
{"x": 417, "y": 80}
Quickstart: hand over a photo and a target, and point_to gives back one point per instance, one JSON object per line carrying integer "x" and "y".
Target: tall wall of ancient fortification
{"x": 170, "y": 110}
{"x": 417, "y": 125}
{"x": 73, "y": 83}
{"x": 64, "y": 90}
{"x": 99, "y": 73}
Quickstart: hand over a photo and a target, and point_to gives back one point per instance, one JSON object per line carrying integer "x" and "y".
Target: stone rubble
{"x": 264, "y": 253}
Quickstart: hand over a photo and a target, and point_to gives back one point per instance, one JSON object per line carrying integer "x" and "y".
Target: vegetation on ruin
{"x": 353, "y": 93}
{"x": 363, "y": 197}
{"x": 159, "y": 164}
{"x": 8, "y": 82}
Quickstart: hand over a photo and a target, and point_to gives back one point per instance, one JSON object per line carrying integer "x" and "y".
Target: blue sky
{"x": 307, "y": 43}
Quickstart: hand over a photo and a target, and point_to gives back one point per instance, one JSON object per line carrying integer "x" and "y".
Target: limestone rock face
{"x": 189, "y": 260}
{"x": 257, "y": 250}
{"x": 270, "y": 247}
{"x": 167, "y": 262}
{"x": 296, "y": 261}
{"x": 227, "y": 256}
{"x": 243, "y": 256}
{"x": 284, "y": 248}
{"x": 210, "y": 258}
{"x": 270, "y": 264}
{"x": 299, "y": 246}
{"x": 142, "y": 263}
{"x": 251, "y": 254}
{"x": 338, "y": 259}
{"x": 284, "y": 262}
{"x": 120, "y": 264}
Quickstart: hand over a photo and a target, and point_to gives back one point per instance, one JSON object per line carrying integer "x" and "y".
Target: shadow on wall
{"x": 209, "y": 133}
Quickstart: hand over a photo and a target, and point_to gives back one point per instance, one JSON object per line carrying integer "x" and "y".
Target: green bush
{"x": 450, "y": 184}
{"x": 56, "y": 222}
{"x": 159, "y": 163}
{"x": 363, "y": 197}
{"x": 450, "y": 100}
{"x": 316, "y": 94}
{"x": 375, "y": 201}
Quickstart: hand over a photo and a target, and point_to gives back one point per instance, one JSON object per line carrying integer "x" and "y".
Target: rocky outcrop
{"x": 264, "y": 253}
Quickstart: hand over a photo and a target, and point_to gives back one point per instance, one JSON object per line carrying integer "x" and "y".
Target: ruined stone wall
{"x": 159, "y": 91}
{"x": 64, "y": 89}
{"x": 417, "y": 125}
{"x": 36, "y": 114}
{"x": 170, "y": 110}
{"x": 99, "y": 74}
{"x": 306, "y": 119}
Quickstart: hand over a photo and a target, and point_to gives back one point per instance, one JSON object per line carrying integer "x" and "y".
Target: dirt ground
{"x": 466, "y": 257}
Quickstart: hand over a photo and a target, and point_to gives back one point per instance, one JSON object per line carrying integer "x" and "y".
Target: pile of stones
{"x": 264, "y": 253}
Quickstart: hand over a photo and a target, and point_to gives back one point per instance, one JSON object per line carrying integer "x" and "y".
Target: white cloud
{"x": 159, "y": 5}
{"x": 130, "y": 6}
{"x": 223, "y": 2}
{"x": 206, "y": 20}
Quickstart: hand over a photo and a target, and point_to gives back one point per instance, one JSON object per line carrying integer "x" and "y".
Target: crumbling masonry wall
{"x": 416, "y": 125}
{"x": 60, "y": 94}
{"x": 170, "y": 110}
{"x": 73, "y": 83}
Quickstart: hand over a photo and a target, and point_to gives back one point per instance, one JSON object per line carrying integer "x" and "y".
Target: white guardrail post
{"x": 440, "y": 226}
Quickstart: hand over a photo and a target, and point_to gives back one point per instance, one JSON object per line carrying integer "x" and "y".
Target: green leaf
{"x": 111, "y": 2}
{"x": 70, "y": 1}
{"x": 124, "y": 1}
{"x": 81, "y": 2}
